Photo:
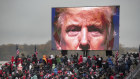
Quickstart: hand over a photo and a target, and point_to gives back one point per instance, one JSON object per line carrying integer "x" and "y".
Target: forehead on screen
{"x": 108, "y": 10}
{"x": 96, "y": 12}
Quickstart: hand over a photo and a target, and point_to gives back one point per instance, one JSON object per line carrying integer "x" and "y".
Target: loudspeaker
{"x": 64, "y": 52}
{"x": 108, "y": 52}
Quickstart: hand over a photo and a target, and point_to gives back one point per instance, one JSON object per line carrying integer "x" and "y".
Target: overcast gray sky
{"x": 29, "y": 21}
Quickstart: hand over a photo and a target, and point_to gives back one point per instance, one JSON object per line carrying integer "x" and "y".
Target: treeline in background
{"x": 9, "y": 50}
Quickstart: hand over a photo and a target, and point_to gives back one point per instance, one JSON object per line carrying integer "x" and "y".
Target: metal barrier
{"x": 133, "y": 73}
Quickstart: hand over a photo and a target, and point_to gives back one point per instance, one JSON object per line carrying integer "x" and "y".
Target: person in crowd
{"x": 58, "y": 60}
{"x": 99, "y": 61}
{"x": 65, "y": 60}
{"x": 12, "y": 59}
{"x": 45, "y": 59}
{"x": 80, "y": 60}
{"x": 34, "y": 58}
{"x": 129, "y": 62}
{"x": 89, "y": 61}
{"x": 16, "y": 60}
{"x": 110, "y": 62}
{"x": 50, "y": 61}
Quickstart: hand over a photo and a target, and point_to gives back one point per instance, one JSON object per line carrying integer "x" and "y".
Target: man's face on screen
{"x": 83, "y": 29}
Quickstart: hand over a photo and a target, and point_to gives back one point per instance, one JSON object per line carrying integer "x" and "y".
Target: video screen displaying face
{"x": 85, "y": 28}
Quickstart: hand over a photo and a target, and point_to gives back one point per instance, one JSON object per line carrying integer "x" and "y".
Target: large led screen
{"x": 85, "y": 28}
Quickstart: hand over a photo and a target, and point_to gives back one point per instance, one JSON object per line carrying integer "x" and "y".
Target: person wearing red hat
{"x": 12, "y": 59}
{"x": 41, "y": 75}
{"x": 58, "y": 71}
{"x": 121, "y": 74}
{"x": 72, "y": 76}
{"x": 111, "y": 77}
{"x": 23, "y": 77}
{"x": 94, "y": 57}
{"x": 94, "y": 67}
{"x": 80, "y": 59}
{"x": 75, "y": 74}
{"x": 10, "y": 68}
{"x": 89, "y": 62}
{"x": 19, "y": 61}
{"x": 50, "y": 61}
{"x": 52, "y": 74}
{"x": 91, "y": 73}
{"x": 6, "y": 64}
{"x": 75, "y": 78}
{"x": 0, "y": 72}
{"x": 10, "y": 76}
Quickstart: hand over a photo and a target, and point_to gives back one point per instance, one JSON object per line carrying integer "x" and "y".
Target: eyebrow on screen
{"x": 73, "y": 28}
{"x": 93, "y": 27}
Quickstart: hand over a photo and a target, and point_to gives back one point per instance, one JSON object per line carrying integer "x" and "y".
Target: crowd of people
{"x": 63, "y": 67}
